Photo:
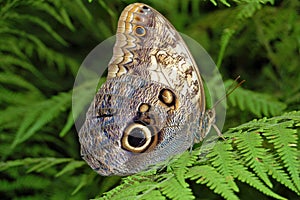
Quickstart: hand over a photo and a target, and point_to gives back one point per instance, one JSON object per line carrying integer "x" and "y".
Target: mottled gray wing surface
{"x": 147, "y": 44}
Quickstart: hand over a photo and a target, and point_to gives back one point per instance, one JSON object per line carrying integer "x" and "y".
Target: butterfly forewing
{"x": 148, "y": 45}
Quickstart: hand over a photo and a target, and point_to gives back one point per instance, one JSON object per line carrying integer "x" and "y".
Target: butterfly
{"x": 152, "y": 105}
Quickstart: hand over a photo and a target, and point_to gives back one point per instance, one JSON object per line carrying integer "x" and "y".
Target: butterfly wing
{"x": 145, "y": 112}
{"x": 148, "y": 45}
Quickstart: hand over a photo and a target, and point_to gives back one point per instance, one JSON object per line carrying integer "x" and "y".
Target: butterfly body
{"x": 152, "y": 105}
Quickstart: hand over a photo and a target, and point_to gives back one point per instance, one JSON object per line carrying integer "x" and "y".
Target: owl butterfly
{"x": 152, "y": 105}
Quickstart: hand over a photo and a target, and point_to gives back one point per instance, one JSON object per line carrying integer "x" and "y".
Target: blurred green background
{"x": 43, "y": 43}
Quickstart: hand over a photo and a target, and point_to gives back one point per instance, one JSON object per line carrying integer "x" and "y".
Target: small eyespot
{"x": 138, "y": 138}
{"x": 145, "y": 7}
{"x": 137, "y": 18}
{"x": 144, "y": 108}
{"x": 168, "y": 98}
{"x": 140, "y": 31}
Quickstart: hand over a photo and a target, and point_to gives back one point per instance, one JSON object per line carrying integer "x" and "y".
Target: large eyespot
{"x": 138, "y": 138}
{"x": 168, "y": 97}
{"x": 140, "y": 31}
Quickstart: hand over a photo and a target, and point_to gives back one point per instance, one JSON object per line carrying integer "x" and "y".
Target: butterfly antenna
{"x": 230, "y": 89}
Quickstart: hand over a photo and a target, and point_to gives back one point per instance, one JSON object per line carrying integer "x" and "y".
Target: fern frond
{"x": 284, "y": 140}
{"x": 220, "y": 158}
{"x": 279, "y": 174}
{"x": 37, "y": 164}
{"x": 9, "y": 117}
{"x": 36, "y": 21}
{"x": 112, "y": 193}
{"x": 279, "y": 132}
{"x": 247, "y": 8}
{"x": 54, "y": 9}
{"x": 81, "y": 96}
{"x": 68, "y": 125}
{"x": 34, "y": 118}
{"x": 71, "y": 166}
{"x": 85, "y": 180}
{"x": 10, "y": 60}
{"x": 209, "y": 176}
{"x": 22, "y": 181}
{"x": 30, "y": 44}
{"x": 17, "y": 37}
{"x": 255, "y": 102}
{"x": 13, "y": 79}
{"x": 46, "y": 163}
{"x": 13, "y": 98}
{"x": 58, "y": 12}
{"x": 226, "y": 36}
{"x": 36, "y": 182}
{"x": 153, "y": 194}
{"x": 173, "y": 189}
{"x": 132, "y": 187}
{"x": 242, "y": 174}
{"x": 222, "y": 1}
{"x": 181, "y": 165}
{"x": 249, "y": 145}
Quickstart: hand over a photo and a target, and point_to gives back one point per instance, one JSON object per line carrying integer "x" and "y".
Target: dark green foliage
{"x": 43, "y": 43}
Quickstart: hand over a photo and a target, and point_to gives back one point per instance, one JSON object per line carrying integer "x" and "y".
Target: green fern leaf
{"x": 36, "y": 182}
{"x": 86, "y": 179}
{"x": 13, "y": 79}
{"x": 222, "y": 1}
{"x": 68, "y": 125}
{"x": 249, "y": 7}
{"x": 39, "y": 164}
{"x": 278, "y": 173}
{"x": 249, "y": 145}
{"x": 113, "y": 193}
{"x": 153, "y": 194}
{"x": 71, "y": 166}
{"x": 180, "y": 166}
{"x": 46, "y": 163}
{"x": 37, "y": 21}
{"x": 9, "y": 97}
{"x": 256, "y": 103}
{"x": 132, "y": 188}
{"x": 173, "y": 189}
{"x": 242, "y": 174}
{"x": 81, "y": 97}
{"x": 37, "y": 115}
{"x": 226, "y": 36}
{"x": 58, "y": 11}
{"x": 10, "y": 60}
{"x": 220, "y": 158}
{"x": 208, "y": 175}
{"x": 284, "y": 140}
{"x": 279, "y": 132}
